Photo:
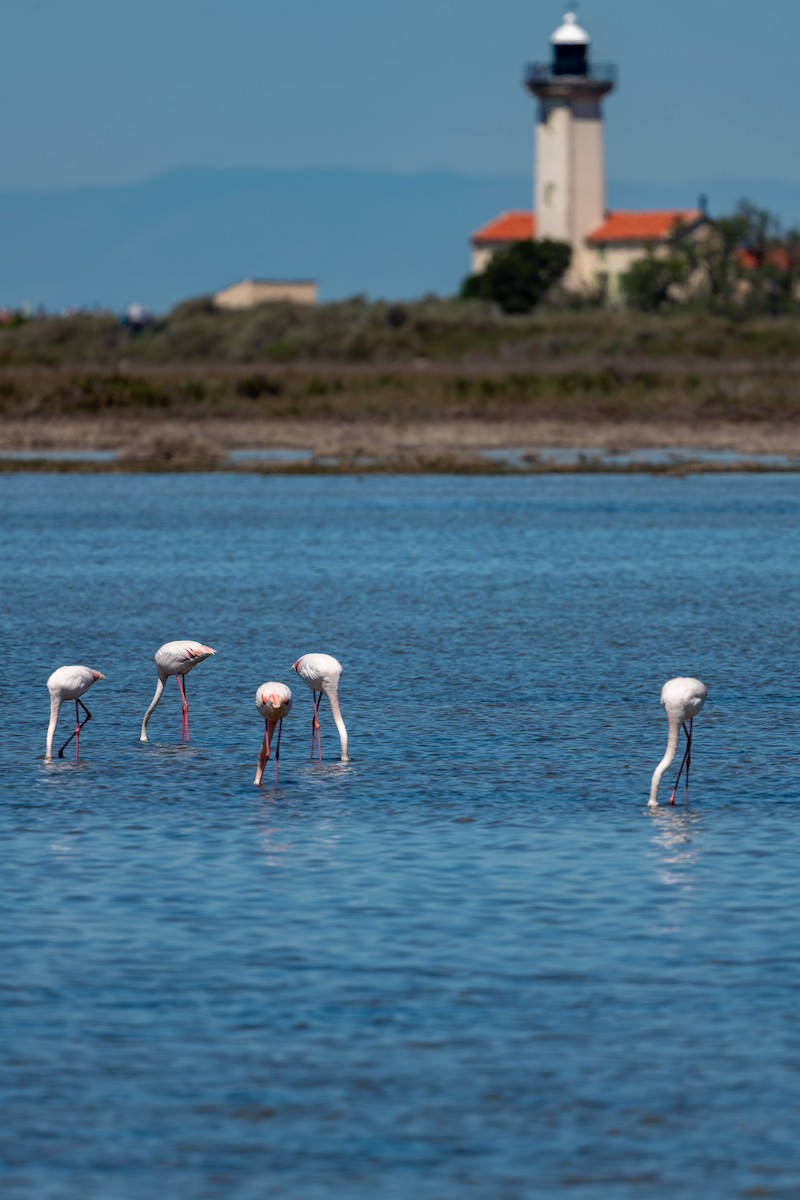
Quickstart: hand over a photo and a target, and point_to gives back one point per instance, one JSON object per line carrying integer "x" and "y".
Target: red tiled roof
{"x": 777, "y": 256}
{"x": 642, "y": 226}
{"x": 518, "y": 226}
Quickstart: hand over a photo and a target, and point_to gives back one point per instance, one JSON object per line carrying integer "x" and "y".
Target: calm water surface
{"x": 469, "y": 964}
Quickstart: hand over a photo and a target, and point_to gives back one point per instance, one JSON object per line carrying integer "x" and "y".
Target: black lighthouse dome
{"x": 570, "y": 48}
{"x": 570, "y": 71}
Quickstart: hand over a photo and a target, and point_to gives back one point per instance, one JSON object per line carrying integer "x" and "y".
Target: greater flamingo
{"x": 69, "y": 683}
{"x": 682, "y": 698}
{"x": 322, "y": 673}
{"x": 273, "y": 701}
{"x": 175, "y": 658}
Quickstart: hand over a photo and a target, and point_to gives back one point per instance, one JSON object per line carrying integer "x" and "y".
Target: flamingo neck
{"x": 266, "y": 748}
{"x": 153, "y": 703}
{"x": 336, "y": 712}
{"x": 55, "y": 708}
{"x": 669, "y": 754}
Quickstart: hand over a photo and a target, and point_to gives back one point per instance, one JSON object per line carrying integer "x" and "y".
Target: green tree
{"x": 738, "y": 265}
{"x": 649, "y": 285}
{"x": 714, "y": 260}
{"x": 518, "y": 278}
{"x": 745, "y": 264}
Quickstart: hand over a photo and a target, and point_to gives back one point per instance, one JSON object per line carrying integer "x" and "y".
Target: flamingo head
{"x": 277, "y": 705}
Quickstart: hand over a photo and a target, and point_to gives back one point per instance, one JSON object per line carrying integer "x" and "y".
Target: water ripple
{"x": 470, "y": 962}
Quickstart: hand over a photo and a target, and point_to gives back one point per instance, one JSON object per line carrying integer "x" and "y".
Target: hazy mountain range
{"x": 189, "y": 232}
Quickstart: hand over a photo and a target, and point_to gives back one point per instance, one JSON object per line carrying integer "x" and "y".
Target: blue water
{"x": 469, "y": 964}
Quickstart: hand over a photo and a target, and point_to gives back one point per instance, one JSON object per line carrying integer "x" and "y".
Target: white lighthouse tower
{"x": 570, "y": 193}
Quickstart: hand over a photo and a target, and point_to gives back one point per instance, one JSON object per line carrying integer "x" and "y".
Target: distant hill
{"x": 193, "y": 231}
{"x": 190, "y": 232}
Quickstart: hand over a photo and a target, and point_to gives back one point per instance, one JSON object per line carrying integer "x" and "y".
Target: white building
{"x": 570, "y": 193}
{"x": 248, "y": 293}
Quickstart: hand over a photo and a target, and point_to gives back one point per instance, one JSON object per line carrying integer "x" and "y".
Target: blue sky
{"x": 106, "y": 91}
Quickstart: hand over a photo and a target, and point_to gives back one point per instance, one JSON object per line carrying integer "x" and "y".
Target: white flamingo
{"x": 69, "y": 683}
{"x": 273, "y": 701}
{"x": 175, "y": 658}
{"x": 682, "y": 698}
{"x": 322, "y": 673}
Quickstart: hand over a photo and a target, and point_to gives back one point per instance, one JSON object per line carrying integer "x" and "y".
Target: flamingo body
{"x": 67, "y": 683}
{"x": 175, "y": 658}
{"x": 179, "y": 658}
{"x": 322, "y": 672}
{"x": 274, "y": 702}
{"x": 683, "y": 698}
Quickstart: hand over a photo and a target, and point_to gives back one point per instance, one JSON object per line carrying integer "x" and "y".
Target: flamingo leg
{"x": 315, "y": 728}
{"x": 78, "y": 727}
{"x": 278, "y": 749}
{"x": 683, "y": 764}
{"x": 185, "y": 710}
{"x": 688, "y": 756}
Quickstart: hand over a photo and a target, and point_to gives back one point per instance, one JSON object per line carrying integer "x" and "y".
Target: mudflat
{"x": 421, "y": 444}
{"x": 408, "y": 418}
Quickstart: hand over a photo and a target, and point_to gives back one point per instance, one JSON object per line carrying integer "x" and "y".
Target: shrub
{"x": 519, "y": 278}
{"x": 650, "y": 283}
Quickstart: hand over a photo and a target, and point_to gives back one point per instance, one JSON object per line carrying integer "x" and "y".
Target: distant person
{"x": 137, "y": 318}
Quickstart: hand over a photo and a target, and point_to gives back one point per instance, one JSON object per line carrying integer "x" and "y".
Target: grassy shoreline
{"x": 399, "y": 388}
{"x": 356, "y": 332}
{"x": 439, "y": 466}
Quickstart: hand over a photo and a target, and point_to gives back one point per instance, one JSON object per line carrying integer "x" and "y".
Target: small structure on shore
{"x": 248, "y": 293}
{"x": 570, "y": 199}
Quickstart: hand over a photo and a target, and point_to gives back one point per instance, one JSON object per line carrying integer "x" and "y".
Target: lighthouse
{"x": 570, "y": 191}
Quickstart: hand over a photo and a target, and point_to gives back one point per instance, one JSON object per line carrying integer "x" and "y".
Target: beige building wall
{"x": 604, "y": 265}
{"x": 250, "y": 292}
{"x": 589, "y": 187}
{"x": 593, "y": 268}
{"x": 482, "y": 255}
{"x": 553, "y": 174}
{"x": 570, "y": 177}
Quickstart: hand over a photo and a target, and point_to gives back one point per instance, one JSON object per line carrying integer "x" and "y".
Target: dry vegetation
{"x": 423, "y": 386}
